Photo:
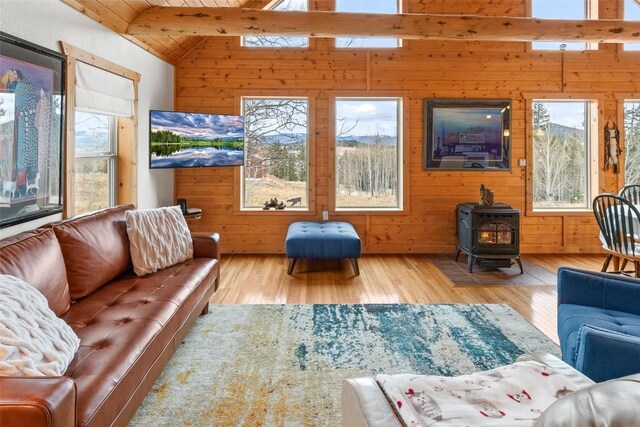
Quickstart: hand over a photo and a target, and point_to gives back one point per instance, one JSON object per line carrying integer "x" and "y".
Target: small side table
{"x": 192, "y": 216}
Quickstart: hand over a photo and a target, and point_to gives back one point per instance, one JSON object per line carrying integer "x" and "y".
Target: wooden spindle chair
{"x": 619, "y": 222}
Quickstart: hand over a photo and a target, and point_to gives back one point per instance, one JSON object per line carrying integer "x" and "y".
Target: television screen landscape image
{"x": 183, "y": 140}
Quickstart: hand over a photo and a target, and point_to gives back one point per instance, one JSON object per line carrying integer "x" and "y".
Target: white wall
{"x": 46, "y": 23}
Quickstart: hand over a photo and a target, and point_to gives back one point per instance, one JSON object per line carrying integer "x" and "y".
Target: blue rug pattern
{"x": 282, "y": 365}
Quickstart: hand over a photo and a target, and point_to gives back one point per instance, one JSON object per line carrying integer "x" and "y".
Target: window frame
{"x": 111, "y": 155}
{"x": 399, "y": 41}
{"x": 402, "y": 150}
{"x": 127, "y": 135}
{"x": 624, "y": 46}
{"x": 591, "y": 10}
{"x": 594, "y": 151}
{"x": 240, "y": 176}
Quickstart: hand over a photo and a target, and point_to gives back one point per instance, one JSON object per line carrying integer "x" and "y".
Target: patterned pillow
{"x": 33, "y": 341}
{"x": 158, "y": 238}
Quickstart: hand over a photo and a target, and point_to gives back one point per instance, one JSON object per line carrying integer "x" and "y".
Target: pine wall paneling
{"x": 214, "y": 75}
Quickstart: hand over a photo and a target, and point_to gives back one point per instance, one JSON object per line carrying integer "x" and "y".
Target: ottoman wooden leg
{"x": 354, "y": 263}
{"x": 292, "y": 263}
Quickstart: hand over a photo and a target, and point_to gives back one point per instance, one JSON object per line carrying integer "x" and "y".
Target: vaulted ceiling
{"x": 162, "y": 28}
{"x": 117, "y": 14}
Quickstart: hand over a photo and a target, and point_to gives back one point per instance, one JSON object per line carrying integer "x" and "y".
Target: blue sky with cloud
{"x": 197, "y": 125}
{"x": 373, "y": 117}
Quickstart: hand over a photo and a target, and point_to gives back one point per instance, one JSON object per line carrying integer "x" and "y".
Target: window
{"x": 565, "y": 9}
{"x": 368, "y": 151}
{"x": 632, "y": 13}
{"x": 101, "y": 155}
{"x": 564, "y": 138}
{"x": 280, "y": 41}
{"x": 359, "y": 6}
{"x": 276, "y": 146}
{"x": 96, "y": 161}
{"x": 632, "y": 142}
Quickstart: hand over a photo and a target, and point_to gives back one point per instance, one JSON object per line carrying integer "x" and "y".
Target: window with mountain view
{"x": 632, "y": 142}
{"x": 276, "y": 145}
{"x": 96, "y": 161}
{"x": 632, "y": 13}
{"x": 359, "y": 6}
{"x": 564, "y": 9}
{"x": 280, "y": 41}
{"x": 562, "y": 145}
{"x": 368, "y": 152}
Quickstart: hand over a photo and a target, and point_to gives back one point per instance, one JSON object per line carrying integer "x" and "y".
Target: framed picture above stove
{"x": 467, "y": 134}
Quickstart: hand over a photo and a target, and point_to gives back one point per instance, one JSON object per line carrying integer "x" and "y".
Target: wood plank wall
{"x": 215, "y": 75}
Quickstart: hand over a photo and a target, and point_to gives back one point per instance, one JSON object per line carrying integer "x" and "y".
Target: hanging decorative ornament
{"x": 611, "y": 146}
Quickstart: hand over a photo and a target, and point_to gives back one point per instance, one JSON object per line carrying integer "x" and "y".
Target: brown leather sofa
{"x": 129, "y": 326}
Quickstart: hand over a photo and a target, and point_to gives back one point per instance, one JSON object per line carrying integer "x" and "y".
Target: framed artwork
{"x": 32, "y": 97}
{"x": 467, "y": 134}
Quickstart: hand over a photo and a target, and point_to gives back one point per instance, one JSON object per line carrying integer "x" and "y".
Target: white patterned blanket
{"x": 512, "y": 395}
{"x": 33, "y": 341}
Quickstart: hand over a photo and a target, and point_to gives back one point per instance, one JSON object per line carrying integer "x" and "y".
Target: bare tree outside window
{"x": 560, "y": 153}
{"x": 276, "y": 145}
{"x": 368, "y": 157}
{"x": 632, "y": 142}
{"x": 96, "y": 158}
{"x": 281, "y": 41}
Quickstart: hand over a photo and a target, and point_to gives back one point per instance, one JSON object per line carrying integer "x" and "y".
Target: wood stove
{"x": 488, "y": 235}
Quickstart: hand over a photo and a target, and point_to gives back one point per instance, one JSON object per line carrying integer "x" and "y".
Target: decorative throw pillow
{"x": 158, "y": 238}
{"x": 33, "y": 341}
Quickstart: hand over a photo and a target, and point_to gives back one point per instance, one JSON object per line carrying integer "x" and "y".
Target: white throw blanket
{"x": 33, "y": 340}
{"x": 512, "y": 395}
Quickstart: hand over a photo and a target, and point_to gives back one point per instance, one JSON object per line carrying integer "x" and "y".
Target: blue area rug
{"x": 282, "y": 365}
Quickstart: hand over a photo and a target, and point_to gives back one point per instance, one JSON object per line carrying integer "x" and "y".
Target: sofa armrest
{"x": 206, "y": 245}
{"x": 37, "y": 401}
{"x": 596, "y": 289}
{"x": 365, "y": 405}
{"x": 603, "y": 355}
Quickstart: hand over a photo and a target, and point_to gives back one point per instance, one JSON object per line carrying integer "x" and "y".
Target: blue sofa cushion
{"x": 571, "y": 317}
{"x": 322, "y": 240}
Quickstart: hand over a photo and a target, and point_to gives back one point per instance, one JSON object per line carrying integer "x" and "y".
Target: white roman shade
{"x": 100, "y": 91}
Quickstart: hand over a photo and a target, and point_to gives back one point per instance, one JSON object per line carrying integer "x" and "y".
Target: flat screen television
{"x": 192, "y": 140}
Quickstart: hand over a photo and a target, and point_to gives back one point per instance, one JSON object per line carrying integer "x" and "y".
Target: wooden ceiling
{"x": 117, "y": 14}
{"x": 161, "y": 27}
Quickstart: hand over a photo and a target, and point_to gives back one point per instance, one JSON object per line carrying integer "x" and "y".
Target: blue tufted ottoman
{"x": 322, "y": 240}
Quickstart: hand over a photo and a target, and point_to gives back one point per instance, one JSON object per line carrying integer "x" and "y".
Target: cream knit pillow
{"x": 33, "y": 340}
{"x": 158, "y": 238}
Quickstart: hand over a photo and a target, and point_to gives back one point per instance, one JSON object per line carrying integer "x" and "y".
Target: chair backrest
{"x": 619, "y": 222}
{"x": 631, "y": 193}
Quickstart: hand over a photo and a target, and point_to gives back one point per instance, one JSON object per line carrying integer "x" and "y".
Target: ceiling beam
{"x": 211, "y": 21}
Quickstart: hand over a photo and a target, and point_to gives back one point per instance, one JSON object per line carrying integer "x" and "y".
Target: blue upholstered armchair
{"x": 599, "y": 323}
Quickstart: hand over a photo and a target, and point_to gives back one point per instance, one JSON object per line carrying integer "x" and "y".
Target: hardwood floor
{"x": 263, "y": 279}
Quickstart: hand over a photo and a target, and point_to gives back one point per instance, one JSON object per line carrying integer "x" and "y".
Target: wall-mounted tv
{"x": 186, "y": 140}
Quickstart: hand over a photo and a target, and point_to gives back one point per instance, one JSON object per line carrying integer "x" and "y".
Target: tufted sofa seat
{"x": 129, "y": 326}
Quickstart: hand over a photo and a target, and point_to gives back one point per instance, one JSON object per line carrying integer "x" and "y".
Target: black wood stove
{"x": 488, "y": 235}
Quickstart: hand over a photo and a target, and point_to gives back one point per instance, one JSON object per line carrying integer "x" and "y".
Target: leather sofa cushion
{"x": 35, "y": 257}
{"x": 95, "y": 248}
{"x": 124, "y": 326}
{"x": 611, "y": 403}
{"x": 571, "y": 317}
